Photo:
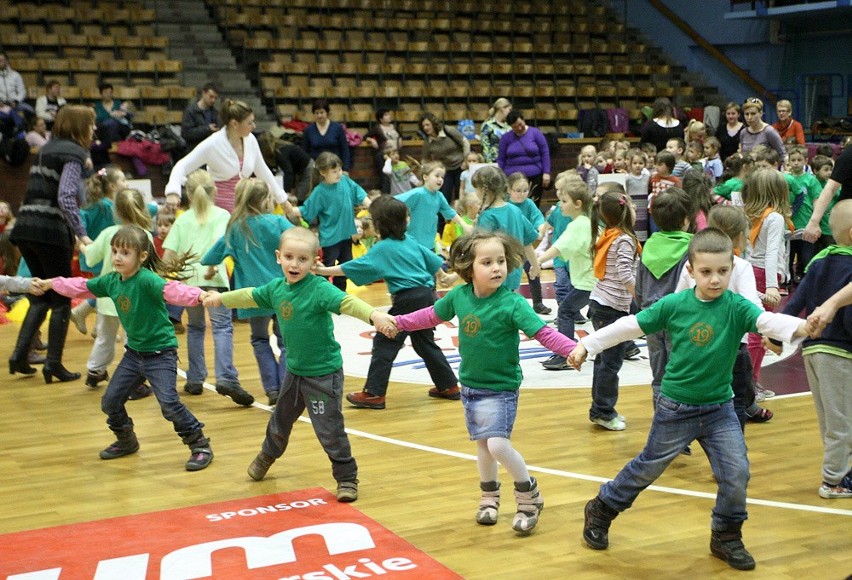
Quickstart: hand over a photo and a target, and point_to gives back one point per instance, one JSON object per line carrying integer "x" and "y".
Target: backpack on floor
{"x": 592, "y": 122}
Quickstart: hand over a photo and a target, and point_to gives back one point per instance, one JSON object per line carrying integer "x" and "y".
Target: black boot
{"x": 200, "y": 452}
{"x": 598, "y": 517}
{"x": 125, "y": 443}
{"x": 56, "y": 332}
{"x": 29, "y": 329}
{"x": 728, "y": 546}
{"x": 535, "y": 293}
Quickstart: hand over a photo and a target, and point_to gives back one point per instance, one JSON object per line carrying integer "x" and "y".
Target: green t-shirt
{"x": 140, "y": 307}
{"x": 705, "y": 339}
{"x": 402, "y": 263}
{"x": 304, "y": 315}
{"x": 559, "y": 223}
{"x": 573, "y": 246}
{"x": 187, "y": 235}
{"x": 727, "y": 188}
{"x": 488, "y": 335}
{"x": 100, "y": 251}
{"x": 807, "y": 186}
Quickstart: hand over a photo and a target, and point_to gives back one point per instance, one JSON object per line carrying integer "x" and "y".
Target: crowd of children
{"x": 729, "y": 238}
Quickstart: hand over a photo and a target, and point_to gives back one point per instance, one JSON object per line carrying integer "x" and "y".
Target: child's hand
{"x": 45, "y": 285}
{"x": 202, "y": 296}
{"x": 772, "y": 297}
{"x": 447, "y": 280}
{"x": 212, "y": 299}
{"x": 771, "y": 346}
{"x": 321, "y": 269}
{"x": 820, "y": 318}
{"x": 578, "y": 356}
{"x": 35, "y": 287}
{"x": 211, "y": 271}
{"x": 535, "y": 270}
{"x": 384, "y": 323}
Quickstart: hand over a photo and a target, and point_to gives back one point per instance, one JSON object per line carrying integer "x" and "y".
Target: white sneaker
{"x": 614, "y": 424}
{"x": 767, "y": 394}
{"x": 827, "y": 491}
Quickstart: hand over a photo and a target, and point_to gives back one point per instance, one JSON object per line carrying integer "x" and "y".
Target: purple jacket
{"x": 528, "y": 153}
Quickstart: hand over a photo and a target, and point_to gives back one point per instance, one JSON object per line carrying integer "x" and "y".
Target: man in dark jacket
{"x": 200, "y": 119}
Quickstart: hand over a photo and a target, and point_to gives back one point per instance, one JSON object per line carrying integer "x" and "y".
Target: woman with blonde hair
{"x": 493, "y": 128}
{"x": 230, "y": 154}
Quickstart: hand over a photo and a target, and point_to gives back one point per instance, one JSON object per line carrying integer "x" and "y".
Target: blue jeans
{"x": 562, "y": 283}
{"x": 607, "y": 365}
{"x": 676, "y": 425}
{"x": 659, "y": 350}
{"x": 569, "y": 309}
{"x": 223, "y": 344}
{"x": 271, "y": 369}
{"x": 160, "y": 369}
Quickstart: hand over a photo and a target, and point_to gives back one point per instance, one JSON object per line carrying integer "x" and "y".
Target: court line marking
{"x": 567, "y": 474}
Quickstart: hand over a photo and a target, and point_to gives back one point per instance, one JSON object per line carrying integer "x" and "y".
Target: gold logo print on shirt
{"x": 285, "y": 310}
{"x": 124, "y": 304}
{"x": 471, "y": 325}
{"x": 701, "y": 333}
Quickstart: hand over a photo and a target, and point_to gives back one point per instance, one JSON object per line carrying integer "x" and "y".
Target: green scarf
{"x": 664, "y": 250}
{"x": 831, "y": 250}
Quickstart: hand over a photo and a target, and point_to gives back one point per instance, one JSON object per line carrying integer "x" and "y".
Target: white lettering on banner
{"x": 256, "y": 511}
{"x": 332, "y": 572}
{"x": 126, "y": 568}
{"x": 195, "y": 561}
{"x": 52, "y": 574}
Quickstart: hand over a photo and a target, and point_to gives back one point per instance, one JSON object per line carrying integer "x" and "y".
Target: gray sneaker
{"x": 236, "y": 392}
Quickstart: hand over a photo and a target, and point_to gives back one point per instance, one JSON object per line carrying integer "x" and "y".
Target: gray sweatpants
{"x": 830, "y": 377}
{"x": 323, "y": 398}
{"x": 103, "y": 351}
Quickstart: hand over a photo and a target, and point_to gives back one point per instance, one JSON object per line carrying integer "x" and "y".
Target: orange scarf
{"x": 602, "y": 245}
{"x": 755, "y": 230}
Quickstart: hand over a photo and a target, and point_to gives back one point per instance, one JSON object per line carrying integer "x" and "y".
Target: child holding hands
{"x": 151, "y": 352}
{"x": 303, "y": 304}
{"x": 490, "y": 316}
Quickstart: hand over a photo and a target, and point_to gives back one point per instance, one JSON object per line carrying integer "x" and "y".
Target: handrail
{"x": 758, "y": 88}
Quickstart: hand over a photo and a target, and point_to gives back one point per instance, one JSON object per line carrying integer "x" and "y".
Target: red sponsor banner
{"x": 301, "y": 535}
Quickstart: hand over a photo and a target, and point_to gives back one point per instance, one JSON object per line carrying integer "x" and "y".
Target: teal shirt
{"x": 304, "y": 315}
{"x": 510, "y": 220}
{"x": 804, "y": 187}
{"x": 96, "y": 218}
{"x": 530, "y": 211}
{"x": 254, "y": 260}
{"x": 334, "y": 206}
{"x": 559, "y": 223}
{"x": 140, "y": 307}
{"x": 424, "y": 207}
{"x": 403, "y": 264}
{"x": 488, "y": 335}
{"x": 705, "y": 339}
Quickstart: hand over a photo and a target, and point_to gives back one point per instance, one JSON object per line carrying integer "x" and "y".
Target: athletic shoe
{"x": 273, "y": 398}
{"x": 828, "y": 491}
{"x": 95, "y": 377}
{"x": 557, "y": 362}
{"x": 140, "y": 391}
{"x": 236, "y": 392}
{"x": 261, "y": 464}
{"x": 540, "y": 308}
{"x": 632, "y": 353}
{"x": 347, "y": 491}
{"x": 580, "y": 320}
{"x": 489, "y": 503}
{"x": 530, "y": 504}
{"x": 767, "y": 394}
{"x": 365, "y": 400}
{"x": 614, "y": 424}
{"x": 453, "y": 393}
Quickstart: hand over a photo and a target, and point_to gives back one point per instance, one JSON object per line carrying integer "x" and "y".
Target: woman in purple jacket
{"x": 525, "y": 149}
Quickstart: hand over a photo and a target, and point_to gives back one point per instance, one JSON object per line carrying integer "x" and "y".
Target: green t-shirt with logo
{"x": 140, "y": 307}
{"x": 488, "y": 335}
{"x": 304, "y": 315}
{"x": 705, "y": 339}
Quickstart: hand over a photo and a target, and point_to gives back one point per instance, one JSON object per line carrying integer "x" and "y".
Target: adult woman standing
{"x": 326, "y": 135}
{"x": 729, "y": 133}
{"x": 493, "y": 128}
{"x": 447, "y": 145}
{"x": 525, "y": 149}
{"x": 757, "y": 132}
{"x": 381, "y": 135}
{"x": 230, "y": 154}
{"x": 662, "y": 126}
{"x": 46, "y": 232}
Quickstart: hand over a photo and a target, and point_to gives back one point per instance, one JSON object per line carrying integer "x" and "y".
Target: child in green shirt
{"x": 706, "y": 325}
{"x": 303, "y": 304}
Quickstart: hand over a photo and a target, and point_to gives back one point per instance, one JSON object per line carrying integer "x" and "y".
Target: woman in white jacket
{"x": 229, "y": 154}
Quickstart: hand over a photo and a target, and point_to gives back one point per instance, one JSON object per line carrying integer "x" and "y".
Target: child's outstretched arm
{"x": 535, "y": 265}
{"x": 555, "y": 341}
{"x": 626, "y": 328}
{"x": 357, "y": 308}
{"x": 70, "y": 287}
{"x": 21, "y": 285}
{"x": 782, "y": 327}
{"x": 180, "y": 294}
{"x": 418, "y": 320}
{"x": 327, "y": 271}
{"x": 466, "y": 227}
{"x": 824, "y": 313}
